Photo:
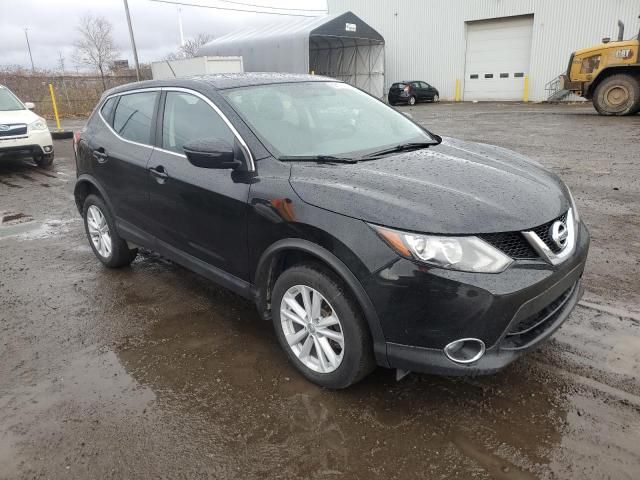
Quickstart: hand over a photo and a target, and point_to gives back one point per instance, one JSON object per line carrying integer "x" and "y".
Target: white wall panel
{"x": 426, "y": 39}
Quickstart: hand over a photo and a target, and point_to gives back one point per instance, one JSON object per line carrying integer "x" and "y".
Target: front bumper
{"x": 422, "y": 309}
{"x": 34, "y": 142}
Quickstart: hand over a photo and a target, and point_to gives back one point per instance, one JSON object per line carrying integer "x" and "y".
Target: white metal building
{"x": 488, "y": 45}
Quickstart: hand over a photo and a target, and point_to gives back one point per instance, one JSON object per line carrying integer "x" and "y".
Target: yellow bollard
{"x": 525, "y": 94}
{"x": 55, "y": 107}
{"x": 457, "y": 90}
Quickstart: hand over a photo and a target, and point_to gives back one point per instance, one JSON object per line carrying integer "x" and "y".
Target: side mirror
{"x": 29, "y": 105}
{"x": 211, "y": 154}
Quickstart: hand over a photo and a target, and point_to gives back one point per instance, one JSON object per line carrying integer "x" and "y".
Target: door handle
{"x": 100, "y": 155}
{"x": 160, "y": 173}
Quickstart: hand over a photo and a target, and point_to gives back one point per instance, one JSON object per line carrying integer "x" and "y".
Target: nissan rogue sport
{"x": 364, "y": 238}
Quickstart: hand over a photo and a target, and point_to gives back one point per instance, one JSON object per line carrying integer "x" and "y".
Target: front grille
{"x": 515, "y": 245}
{"x": 12, "y": 130}
{"x": 511, "y": 243}
{"x": 528, "y": 329}
{"x": 544, "y": 232}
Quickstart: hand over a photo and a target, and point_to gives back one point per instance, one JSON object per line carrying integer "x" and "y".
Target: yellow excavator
{"x": 608, "y": 74}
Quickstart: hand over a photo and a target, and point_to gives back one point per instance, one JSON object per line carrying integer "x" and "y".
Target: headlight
{"x": 467, "y": 254}
{"x": 576, "y": 216}
{"x": 39, "y": 124}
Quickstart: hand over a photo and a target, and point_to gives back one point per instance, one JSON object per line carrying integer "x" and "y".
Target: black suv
{"x": 412, "y": 92}
{"x": 365, "y": 238}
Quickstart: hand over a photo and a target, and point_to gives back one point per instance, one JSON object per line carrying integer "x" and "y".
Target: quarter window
{"x": 133, "y": 115}
{"x": 188, "y": 118}
{"x": 107, "y": 109}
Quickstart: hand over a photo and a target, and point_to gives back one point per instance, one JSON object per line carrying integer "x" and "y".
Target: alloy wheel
{"x": 99, "y": 231}
{"x": 312, "y": 329}
{"x": 436, "y": 98}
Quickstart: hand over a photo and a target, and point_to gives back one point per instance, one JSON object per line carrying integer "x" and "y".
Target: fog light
{"x": 47, "y": 149}
{"x": 465, "y": 350}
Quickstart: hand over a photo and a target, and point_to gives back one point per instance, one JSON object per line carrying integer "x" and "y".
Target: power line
{"x": 172, "y": 2}
{"x": 273, "y": 8}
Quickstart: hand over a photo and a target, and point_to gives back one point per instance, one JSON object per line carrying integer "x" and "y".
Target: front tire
{"x": 435, "y": 99}
{"x": 617, "y": 95}
{"x": 320, "y": 327}
{"x": 43, "y": 160}
{"x": 103, "y": 237}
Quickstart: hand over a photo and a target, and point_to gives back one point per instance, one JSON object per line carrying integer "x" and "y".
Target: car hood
{"x": 17, "y": 116}
{"x": 456, "y": 187}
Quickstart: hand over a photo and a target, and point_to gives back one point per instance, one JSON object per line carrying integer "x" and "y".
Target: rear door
{"x": 200, "y": 212}
{"x": 120, "y": 149}
{"x": 417, "y": 90}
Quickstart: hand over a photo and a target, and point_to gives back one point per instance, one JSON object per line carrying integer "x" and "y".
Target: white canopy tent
{"x": 338, "y": 46}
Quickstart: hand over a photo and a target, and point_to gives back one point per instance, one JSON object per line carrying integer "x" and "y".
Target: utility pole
{"x": 26, "y": 35}
{"x": 133, "y": 42}
{"x": 180, "y": 27}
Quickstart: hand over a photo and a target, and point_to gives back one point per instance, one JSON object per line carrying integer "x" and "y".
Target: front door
{"x": 198, "y": 211}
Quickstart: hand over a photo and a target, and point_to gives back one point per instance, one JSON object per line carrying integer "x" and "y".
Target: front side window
{"x": 188, "y": 118}
{"x": 132, "y": 119}
{"x": 9, "y": 102}
{"x": 321, "y": 118}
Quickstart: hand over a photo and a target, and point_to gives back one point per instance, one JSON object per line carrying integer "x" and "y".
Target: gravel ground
{"x": 154, "y": 372}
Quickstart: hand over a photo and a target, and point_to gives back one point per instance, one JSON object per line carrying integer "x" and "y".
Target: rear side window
{"x": 132, "y": 119}
{"x": 107, "y": 110}
{"x": 188, "y": 118}
{"x": 398, "y": 85}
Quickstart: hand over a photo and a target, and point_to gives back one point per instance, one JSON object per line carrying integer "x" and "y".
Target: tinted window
{"x": 474, "y": 76}
{"x": 518, "y": 74}
{"x": 188, "y": 118}
{"x": 133, "y": 115}
{"x": 107, "y": 109}
{"x": 488, "y": 75}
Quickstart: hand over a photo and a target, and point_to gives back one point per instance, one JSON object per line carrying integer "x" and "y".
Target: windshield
{"x": 8, "y": 101}
{"x": 322, "y": 118}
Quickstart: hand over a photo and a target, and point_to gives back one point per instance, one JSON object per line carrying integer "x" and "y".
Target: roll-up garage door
{"x": 497, "y": 58}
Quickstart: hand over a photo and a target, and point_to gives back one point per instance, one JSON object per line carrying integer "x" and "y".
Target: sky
{"x": 52, "y": 25}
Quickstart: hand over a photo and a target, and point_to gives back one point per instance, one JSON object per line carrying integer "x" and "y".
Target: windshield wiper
{"x": 403, "y": 147}
{"x": 317, "y": 158}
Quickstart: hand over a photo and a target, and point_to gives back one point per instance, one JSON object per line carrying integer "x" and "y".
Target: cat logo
{"x": 624, "y": 53}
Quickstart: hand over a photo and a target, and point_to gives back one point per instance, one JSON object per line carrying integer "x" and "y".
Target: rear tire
{"x": 412, "y": 100}
{"x": 103, "y": 237}
{"x": 344, "y": 364}
{"x": 617, "y": 95}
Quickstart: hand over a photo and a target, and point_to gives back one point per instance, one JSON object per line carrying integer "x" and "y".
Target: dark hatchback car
{"x": 366, "y": 239}
{"x": 412, "y": 92}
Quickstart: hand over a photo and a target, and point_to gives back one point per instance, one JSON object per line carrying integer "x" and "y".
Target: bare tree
{"x": 95, "y": 47}
{"x": 190, "y": 47}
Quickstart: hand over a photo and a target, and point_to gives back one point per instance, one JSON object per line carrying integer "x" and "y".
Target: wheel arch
{"x": 630, "y": 69}
{"x": 281, "y": 254}
{"x": 85, "y": 186}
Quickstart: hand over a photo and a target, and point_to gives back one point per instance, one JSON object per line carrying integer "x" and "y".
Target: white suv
{"x": 22, "y": 131}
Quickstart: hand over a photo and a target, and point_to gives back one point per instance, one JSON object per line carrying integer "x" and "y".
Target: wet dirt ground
{"x": 153, "y": 372}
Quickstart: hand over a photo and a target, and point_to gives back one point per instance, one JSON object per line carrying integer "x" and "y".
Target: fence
{"x": 76, "y": 95}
